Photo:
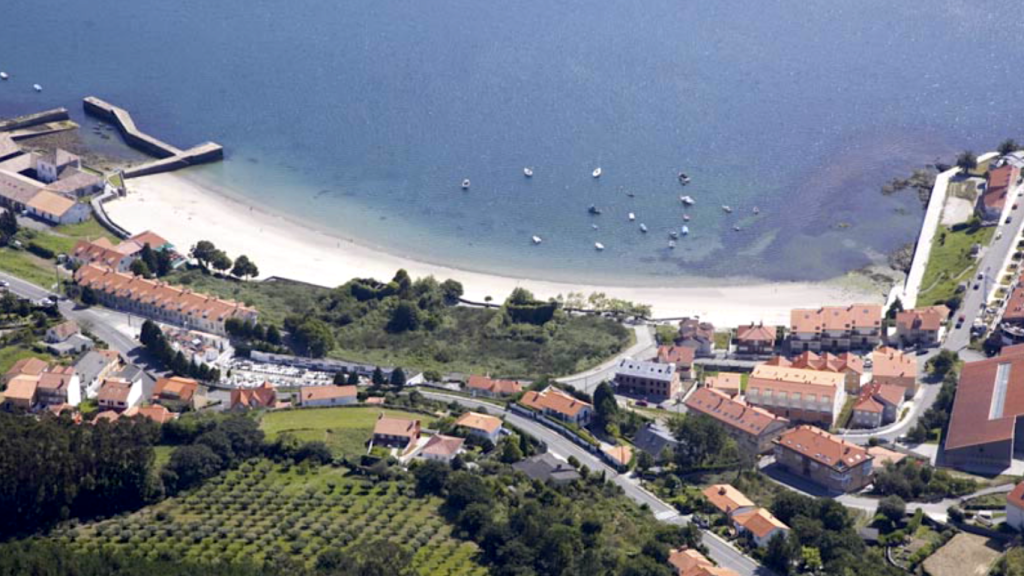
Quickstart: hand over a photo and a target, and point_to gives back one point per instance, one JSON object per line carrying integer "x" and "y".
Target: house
{"x": 56, "y": 209}
{"x": 327, "y": 395}
{"x": 75, "y": 344}
{"x": 547, "y": 468}
{"x": 883, "y": 456}
{"x": 756, "y": 339}
{"x": 985, "y": 432}
{"x": 846, "y": 363}
{"x": 74, "y": 184}
{"x": 480, "y": 425}
{"x": 176, "y": 393}
{"x": 693, "y": 563}
{"x": 1015, "y": 508}
{"x": 161, "y": 301}
{"x": 119, "y": 395}
{"x": 1014, "y": 312}
{"x": 890, "y": 366}
{"x": 753, "y": 428}
{"x": 156, "y": 413}
{"x": 103, "y": 252}
{"x": 395, "y": 432}
{"x": 654, "y": 439}
{"x": 697, "y": 335}
{"x": 681, "y": 356}
{"x": 16, "y": 190}
{"x": 51, "y": 164}
{"x": 878, "y": 405}
{"x": 921, "y": 326}
{"x": 759, "y": 524}
{"x": 824, "y": 459}
{"x": 485, "y": 386}
{"x": 61, "y": 332}
{"x": 835, "y": 328}
{"x": 727, "y": 500}
{"x": 95, "y": 367}
{"x": 729, "y": 383}
{"x": 59, "y": 385}
{"x": 263, "y": 396}
{"x": 441, "y": 448}
{"x": 999, "y": 180}
{"x": 646, "y": 379}
{"x": 620, "y": 456}
{"x": 797, "y": 394}
{"x": 558, "y": 404}
{"x": 26, "y": 367}
{"x": 20, "y": 394}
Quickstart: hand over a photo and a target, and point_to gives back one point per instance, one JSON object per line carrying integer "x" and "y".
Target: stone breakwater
{"x": 169, "y": 157}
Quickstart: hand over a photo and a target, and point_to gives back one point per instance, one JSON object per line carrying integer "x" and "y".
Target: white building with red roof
{"x": 481, "y": 425}
{"x": 797, "y": 394}
{"x": 753, "y": 428}
{"x": 1015, "y": 508}
{"x": 836, "y": 328}
{"x": 558, "y": 404}
{"x": 824, "y": 459}
{"x": 878, "y": 404}
{"x": 441, "y": 448}
{"x": 492, "y": 388}
{"x": 760, "y": 524}
{"x": 921, "y": 326}
{"x": 755, "y": 339}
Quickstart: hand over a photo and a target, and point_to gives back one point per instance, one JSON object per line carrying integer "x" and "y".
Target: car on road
{"x": 960, "y": 320}
{"x": 5, "y": 284}
{"x": 1009, "y": 219}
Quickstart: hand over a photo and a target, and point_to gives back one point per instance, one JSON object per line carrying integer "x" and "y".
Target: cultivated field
{"x": 264, "y": 510}
{"x": 345, "y": 430}
{"x": 964, "y": 555}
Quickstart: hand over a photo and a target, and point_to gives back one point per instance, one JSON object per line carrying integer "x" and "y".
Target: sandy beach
{"x": 185, "y": 211}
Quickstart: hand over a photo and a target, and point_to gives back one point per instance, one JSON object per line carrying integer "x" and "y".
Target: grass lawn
{"x": 846, "y": 413}
{"x": 163, "y": 456}
{"x": 257, "y": 511}
{"x": 950, "y": 263}
{"x": 11, "y": 354}
{"x": 90, "y": 229}
{"x": 722, "y": 340}
{"x": 27, "y": 267}
{"x": 345, "y": 430}
{"x": 274, "y": 300}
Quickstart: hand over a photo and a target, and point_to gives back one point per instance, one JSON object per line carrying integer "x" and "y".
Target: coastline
{"x": 184, "y": 211}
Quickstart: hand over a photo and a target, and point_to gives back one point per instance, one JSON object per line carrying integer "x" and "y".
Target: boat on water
{"x": 632, "y": 216}
{"x": 631, "y": 194}
{"x": 736, "y": 228}
{"x": 596, "y": 173}
{"x": 756, "y": 210}
{"x": 726, "y": 208}
{"x": 686, "y": 217}
{"x": 594, "y": 226}
{"x": 37, "y": 87}
{"x": 537, "y": 239}
{"x": 528, "y": 172}
{"x": 687, "y": 200}
{"x": 594, "y": 210}
{"x": 685, "y": 230}
{"x": 598, "y": 246}
{"x": 683, "y": 178}
{"x": 673, "y": 234}
{"x": 465, "y": 184}
{"x": 672, "y": 244}
{"x": 4, "y": 76}
{"x": 643, "y": 228}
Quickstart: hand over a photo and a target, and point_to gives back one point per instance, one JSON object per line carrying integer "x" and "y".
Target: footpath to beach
{"x": 184, "y": 212}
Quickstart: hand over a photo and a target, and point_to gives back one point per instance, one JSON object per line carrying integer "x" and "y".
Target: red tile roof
{"x": 312, "y": 393}
{"x": 556, "y": 400}
{"x": 823, "y": 447}
{"x": 388, "y": 426}
{"x": 836, "y": 318}
{"x": 929, "y": 318}
{"x": 972, "y": 420}
{"x": 727, "y": 498}
{"x": 1016, "y": 496}
{"x": 499, "y": 387}
{"x": 891, "y": 363}
{"x": 759, "y": 521}
{"x": 441, "y": 445}
{"x": 156, "y": 413}
{"x": 264, "y": 396}
{"x": 733, "y": 413}
{"x": 686, "y": 560}
{"x": 756, "y": 333}
{"x": 999, "y": 181}
{"x": 873, "y": 397}
{"x": 29, "y": 366}
{"x": 488, "y": 424}
{"x": 728, "y": 382}
{"x": 679, "y": 355}
{"x": 176, "y": 388}
{"x": 114, "y": 390}
{"x": 1015, "y": 306}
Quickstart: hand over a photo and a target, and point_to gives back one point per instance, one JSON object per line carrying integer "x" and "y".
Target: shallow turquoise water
{"x": 364, "y": 117}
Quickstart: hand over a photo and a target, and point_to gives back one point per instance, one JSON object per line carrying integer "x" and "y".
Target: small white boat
{"x": 594, "y": 210}
{"x": 757, "y": 210}
{"x": 537, "y": 239}
{"x": 684, "y": 179}
{"x": 726, "y": 208}
{"x": 4, "y": 76}
{"x": 686, "y": 217}
{"x": 594, "y": 226}
{"x": 37, "y": 87}
{"x": 687, "y": 200}
{"x": 672, "y": 244}
{"x": 465, "y": 184}
{"x": 673, "y": 234}
{"x": 685, "y": 230}
{"x": 596, "y": 173}
{"x": 632, "y": 216}
{"x": 528, "y": 172}
{"x": 736, "y": 228}
{"x": 643, "y": 228}
{"x": 599, "y": 246}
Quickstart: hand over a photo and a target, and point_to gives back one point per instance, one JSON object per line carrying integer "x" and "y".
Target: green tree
{"x": 353, "y": 378}
{"x": 893, "y": 508}
{"x": 405, "y": 317}
{"x": 314, "y": 337}
{"x": 203, "y": 252}
{"x": 88, "y": 296}
{"x": 780, "y": 554}
{"x": 452, "y": 291}
{"x": 8, "y": 225}
{"x": 644, "y": 462}
{"x": 139, "y": 268}
{"x": 967, "y": 161}
{"x": 397, "y": 377}
{"x": 431, "y": 477}
{"x": 510, "y": 451}
{"x": 1007, "y": 146}
{"x": 220, "y": 261}
{"x": 273, "y": 335}
{"x": 377, "y": 378}
{"x": 244, "y": 268}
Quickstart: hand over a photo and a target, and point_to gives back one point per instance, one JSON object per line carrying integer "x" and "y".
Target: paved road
{"x": 101, "y": 322}
{"x": 720, "y": 551}
{"x": 645, "y": 347}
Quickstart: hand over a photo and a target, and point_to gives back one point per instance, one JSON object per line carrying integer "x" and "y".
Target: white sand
{"x": 183, "y": 211}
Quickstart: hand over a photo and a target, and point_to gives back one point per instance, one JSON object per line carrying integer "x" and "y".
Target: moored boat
{"x": 673, "y": 234}
{"x": 528, "y": 172}
{"x": 594, "y": 210}
{"x": 37, "y": 87}
{"x": 685, "y": 230}
{"x": 537, "y": 239}
{"x": 756, "y": 210}
{"x": 4, "y": 76}
{"x": 643, "y": 228}
{"x": 686, "y": 217}
{"x": 597, "y": 172}
{"x": 632, "y": 216}
{"x": 598, "y": 246}
{"x": 683, "y": 178}
{"x": 672, "y": 244}
{"x": 726, "y": 208}
{"x": 687, "y": 200}
{"x": 465, "y": 184}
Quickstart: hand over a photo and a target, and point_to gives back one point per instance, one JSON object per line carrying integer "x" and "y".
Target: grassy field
{"x": 950, "y": 263}
{"x": 28, "y": 267}
{"x": 345, "y": 430}
{"x": 274, "y": 300}
{"x": 90, "y": 229}
{"x": 163, "y": 456}
{"x": 964, "y": 554}
{"x": 262, "y": 510}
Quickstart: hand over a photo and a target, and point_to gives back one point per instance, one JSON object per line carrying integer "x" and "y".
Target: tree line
{"x": 153, "y": 339}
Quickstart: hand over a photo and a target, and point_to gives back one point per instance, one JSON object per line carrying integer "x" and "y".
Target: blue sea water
{"x": 363, "y": 117}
